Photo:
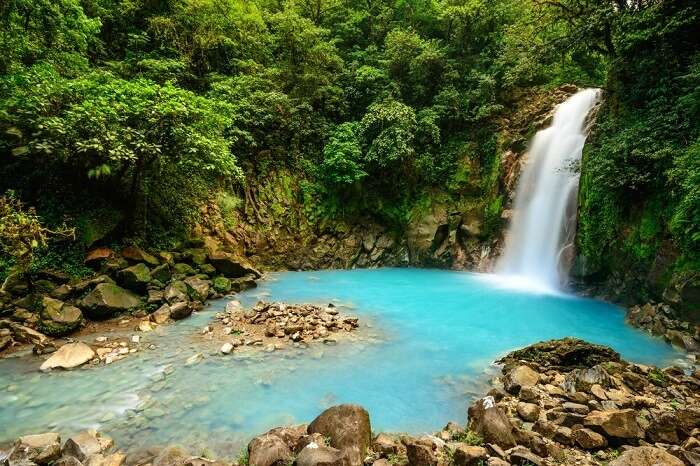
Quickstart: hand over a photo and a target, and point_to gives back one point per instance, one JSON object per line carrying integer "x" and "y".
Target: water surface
{"x": 428, "y": 350}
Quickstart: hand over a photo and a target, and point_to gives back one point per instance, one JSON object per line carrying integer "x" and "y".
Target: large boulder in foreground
{"x": 108, "y": 299}
{"x": 39, "y": 449}
{"x": 349, "y": 430}
{"x": 268, "y": 450}
{"x": 231, "y": 266}
{"x": 87, "y": 443}
{"x": 646, "y": 456}
{"x": 491, "y": 423}
{"x": 69, "y": 356}
{"x": 566, "y": 353}
{"x": 58, "y": 318}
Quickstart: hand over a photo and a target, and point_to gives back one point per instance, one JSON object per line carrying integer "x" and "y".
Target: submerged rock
{"x": 69, "y": 356}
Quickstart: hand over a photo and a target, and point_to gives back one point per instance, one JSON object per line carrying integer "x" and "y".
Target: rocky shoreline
{"x": 559, "y": 402}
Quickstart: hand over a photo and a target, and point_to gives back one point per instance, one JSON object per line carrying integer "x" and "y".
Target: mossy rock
{"x": 58, "y": 318}
{"x": 184, "y": 269}
{"x": 108, "y": 299}
{"x": 567, "y": 353}
{"x": 162, "y": 273}
{"x": 222, "y": 285}
{"x": 135, "y": 278}
{"x": 207, "y": 269}
{"x": 195, "y": 256}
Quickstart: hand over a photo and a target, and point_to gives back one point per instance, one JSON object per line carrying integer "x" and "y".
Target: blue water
{"x": 427, "y": 342}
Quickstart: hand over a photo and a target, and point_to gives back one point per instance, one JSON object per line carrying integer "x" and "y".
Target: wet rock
{"x": 268, "y": 450}
{"x": 68, "y": 356}
{"x": 232, "y": 267}
{"x": 135, "y": 254}
{"x": 646, "y": 456}
{"x": 40, "y": 448}
{"x": 466, "y": 455}
{"x": 107, "y": 299}
{"x": 58, "y": 318}
{"x": 15, "y": 283}
{"x": 567, "y": 353}
{"x": 620, "y": 424}
{"x": 5, "y": 342}
{"x": 180, "y": 310}
{"x": 588, "y": 439}
{"x": 243, "y": 283}
{"x": 84, "y": 285}
{"x": 87, "y": 443}
{"x": 518, "y": 377}
{"x": 491, "y": 423}
{"x": 348, "y": 428}
{"x": 319, "y": 455}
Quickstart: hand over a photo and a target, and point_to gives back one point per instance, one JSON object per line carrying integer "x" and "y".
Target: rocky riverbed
{"x": 559, "y": 402}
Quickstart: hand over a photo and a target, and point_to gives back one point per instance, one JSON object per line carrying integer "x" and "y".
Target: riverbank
{"x": 559, "y": 402}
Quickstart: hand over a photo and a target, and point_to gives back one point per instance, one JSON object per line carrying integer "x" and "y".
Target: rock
{"x": 135, "y": 278}
{"x": 268, "y": 450}
{"x": 176, "y": 292}
{"x": 222, "y": 285}
{"x": 198, "y": 289}
{"x": 521, "y": 456}
{"x": 25, "y": 334}
{"x": 181, "y": 268}
{"x": 66, "y": 460}
{"x": 349, "y": 430}
{"x": 107, "y": 299}
{"x": 40, "y": 449}
{"x": 58, "y": 318}
{"x": 575, "y": 408}
{"x": 386, "y": 445}
{"x": 87, "y": 443}
{"x": 95, "y": 257}
{"x": 518, "y": 377}
{"x": 62, "y": 292}
{"x": 419, "y": 454}
{"x": 620, "y": 424}
{"x": 582, "y": 380}
{"x": 244, "y": 283}
{"x": 319, "y": 455}
{"x": 162, "y": 273}
{"x": 5, "y": 342}
{"x": 15, "y": 283}
{"x": 226, "y": 348}
{"x": 68, "y": 356}
{"x": 491, "y": 423}
{"x": 171, "y": 456}
{"x": 196, "y": 256}
{"x": 588, "y": 439}
{"x": 231, "y": 266}
{"x": 115, "y": 459}
{"x": 135, "y": 254}
{"x": 82, "y": 286}
{"x": 528, "y": 411}
{"x": 466, "y": 455}
{"x": 180, "y": 310}
{"x": 646, "y": 456}
{"x": 161, "y": 315}
{"x": 565, "y": 353}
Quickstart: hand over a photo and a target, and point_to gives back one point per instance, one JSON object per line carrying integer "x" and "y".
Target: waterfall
{"x": 543, "y": 224}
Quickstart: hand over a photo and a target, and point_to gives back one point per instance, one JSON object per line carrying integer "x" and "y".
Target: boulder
{"x": 386, "y": 445}
{"x": 195, "y": 256}
{"x": 243, "y": 283}
{"x": 491, "y": 423}
{"x": 583, "y": 380}
{"x": 40, "y": 448}
{"x": 230, "y": 266}
{"x": 115, "y": 459}
{"x": 468, "y": 455}
{"x": 528, "y": 411}
{"x": 82, "y": 286}
{"x": 5, "y": 341}
{"x": 171, "y": 456}
{"x": 65, "y": 460}
{"x": 107, "y": 299}
{"x": 198, "y": 289}
{"x": 95, "y": 257}
{"x": 222, "y": 285}
{"x": 349, "y": 430}
{"x": 518, "y": 377}
{"x": 292, "y": 436}
{"x": 319, "y": 455}
{"x": 25, "y": 334}
{"x": 135, "y": 254}
{"x": 181, "y": 268}
{"x": 15, "y": 283}
{"x": 619, "y": 424}
{"x": 268, "y": 450}
{"x": 87, "y": 443}
{"x": 566, "y": 353}
{"x": 68, "y": 356}
{"x": 420, "y": 454}
{"x": 180, "y": 310}
{"x": 521, "y": 456}
{"x": 161, "y": 315}
{"x": 646, "y": 456}
{"x": 176, "y": 292}
{"x": 588, "y": 439}
{"x": 135, "y": 278}
{"x": 58, "y": 318}
{"x": 162, "y": 273}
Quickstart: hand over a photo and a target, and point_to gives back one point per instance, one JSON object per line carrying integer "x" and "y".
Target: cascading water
{"x": 544, "y": 221}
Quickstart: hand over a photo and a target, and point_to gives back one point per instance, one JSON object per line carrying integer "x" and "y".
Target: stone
{"x": 420, "y": 454}
{"x": 68, "y": 356}
{"x": 181, "y": 268}
{"x": 581, "y": 380}
{"x": 621, "y": 424}
{"x": 528, "y": 411}
{"x": 243, "y": 283}
{"x": 15, "y": 283}
{"x": 268, "y": 450}
{"x": 230, "y": 266}
{"x": 386, "y": 445}
{"x": 562, "y": 435}
{"x": 198, "y": 289}
{"x": 107, "y": 299}
{"x": 161, "y": 315}
{"x": 66, "y": 460}
{"x": 292, "y": 436}
{"x": 95, "y": 257}
{"x": 135, "y": 278}
{"x": 521, "y": 456}
{"x": 40, "y": 448}
{"x": 171, "y": 456}
{"x": 176, "y": 292}
{"x": 162, "y": 273}
{"x": 588, "y": 439}
{"x": 62, "y": 292}
{"x": 575, "y": 408}
{"x": 180, "y": 310}
{"x": 58, "y": 318}
{"x": 115, "y": 459}
{"x": 222, "y": 285}
{"x": 564, "y": 353}
{"x": 646, "y": 456}
{"x": 518, "y": 377}
{"x": 25, "y": 334}
{"x": 349, "y": 430}
{"x": 491, "y": 423}
{"x": 226, "y": 348}
{"x": 135, "y": 254}
{"x": 5, "y": 342}
{"x": 87, "y": 443}
{"x": 467, "y": 455}
{"x": 319, "y": 455}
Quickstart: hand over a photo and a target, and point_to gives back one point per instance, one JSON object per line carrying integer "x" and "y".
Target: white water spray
{"x": 544, "y": 220}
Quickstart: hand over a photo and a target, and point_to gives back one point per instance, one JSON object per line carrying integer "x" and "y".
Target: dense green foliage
{"x": 124, "y": 116}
